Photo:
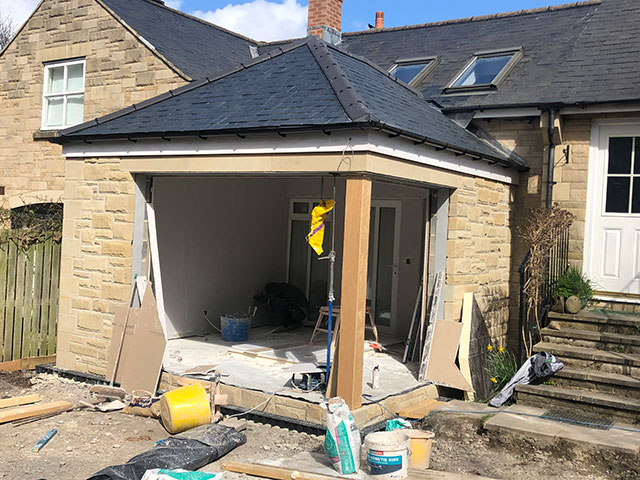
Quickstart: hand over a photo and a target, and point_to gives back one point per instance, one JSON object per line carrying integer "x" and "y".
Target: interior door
{"x": 614, "y": 261}
{"x": 382, "y": 281}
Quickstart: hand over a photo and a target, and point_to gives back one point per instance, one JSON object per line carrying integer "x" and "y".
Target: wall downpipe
{"x": 551, "y": 159}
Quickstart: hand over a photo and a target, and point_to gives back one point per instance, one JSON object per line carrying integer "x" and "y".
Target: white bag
{"x": 342, "y": 440}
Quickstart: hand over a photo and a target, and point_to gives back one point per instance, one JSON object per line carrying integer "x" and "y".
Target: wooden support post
{"x": 355, "y": 259}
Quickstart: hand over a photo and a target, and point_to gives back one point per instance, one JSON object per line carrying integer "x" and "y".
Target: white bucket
{"x": 388, "y": 454}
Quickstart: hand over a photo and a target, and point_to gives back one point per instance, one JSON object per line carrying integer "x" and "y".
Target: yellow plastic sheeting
{"x": 318, "y": 216}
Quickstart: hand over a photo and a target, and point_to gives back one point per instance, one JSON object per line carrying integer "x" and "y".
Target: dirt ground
{"x": 88, "y": 441}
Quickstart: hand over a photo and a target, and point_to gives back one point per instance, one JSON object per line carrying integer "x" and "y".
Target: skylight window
{"x": 485, "y": 71}
{"x": 413, "y": 71}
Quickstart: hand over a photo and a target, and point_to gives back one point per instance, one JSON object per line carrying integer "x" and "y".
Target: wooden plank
{"x": 52, "y": 328}
{"x": 18, "y": 413}
{"x": 15, "y": 401}
{"x": 44, "y": 305}
{"x": 155, "y": 262}
{"x": 354, "y": 290}
{"x": 11, "y": 366}
{"x": 10, "y": 299}
{"x": 32, "y": 362}
{"x": 18, "y": 319}
{"x": 420, "y": 409}
{"x": 433, "y": 314}
{"x": 37, "y": 297}
{"x": 425, "y": 269}
{"x": 27, "y": 299}
{"x": 4, "y": 259}
{"x": 278, "y": 473}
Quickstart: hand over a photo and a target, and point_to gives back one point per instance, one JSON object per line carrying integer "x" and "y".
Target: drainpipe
{"x": 552, "y": 158}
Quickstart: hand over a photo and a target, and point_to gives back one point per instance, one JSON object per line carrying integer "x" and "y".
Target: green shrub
{"x": 573, "y": 282}
{"x": 501, "y": 366}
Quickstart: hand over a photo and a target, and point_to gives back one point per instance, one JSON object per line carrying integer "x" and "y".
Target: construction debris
{"x": 44, "y": 440}
{"x": 17, "y": 401}
{"x": 18, "y": 413}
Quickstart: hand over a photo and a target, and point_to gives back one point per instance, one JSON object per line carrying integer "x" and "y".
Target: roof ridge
{"x": 353, "y": 105}
{"x": 180, "y": 90}
{"x": 205, "y": 22}
{"x": 493, "y": 16}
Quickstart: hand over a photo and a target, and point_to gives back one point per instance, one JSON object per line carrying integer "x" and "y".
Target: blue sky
{"x": 277, "y": 19}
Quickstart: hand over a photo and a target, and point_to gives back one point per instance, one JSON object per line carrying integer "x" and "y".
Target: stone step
{"x": 614, "y": 342}
{"x": 588, "y": 401}
{"x": 599, "y": 321}
{"x": 590, "y": 358}
{"x": 604, "y": 382}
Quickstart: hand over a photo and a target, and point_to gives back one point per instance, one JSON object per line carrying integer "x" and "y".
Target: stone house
{"x": 439, "y": 138}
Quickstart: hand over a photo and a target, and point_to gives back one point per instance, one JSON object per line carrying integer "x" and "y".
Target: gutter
{"x": 551, "y": 158}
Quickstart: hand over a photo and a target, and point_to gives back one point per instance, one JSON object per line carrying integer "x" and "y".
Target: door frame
{"x": 601, "y": 131}
{"x": 377, "y": 204}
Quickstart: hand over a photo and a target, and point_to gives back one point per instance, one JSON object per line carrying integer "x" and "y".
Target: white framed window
{"x": 63, "y": 94}
{"x": 485, "y": 71}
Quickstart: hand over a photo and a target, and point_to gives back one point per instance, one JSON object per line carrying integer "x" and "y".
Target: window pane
{"x": 635, "y": 203}
{"x": 54, "y": 112}
{"x": 406, "y": 73}
{"x": 300, "y": 207}
{"x": 483, "y": 71}
{"x": 298, "y": 254}
{"x": 636, "y": 165}
{"x": 620, "y": 155}
{"x": 618, "y": 195}
{"x": 56, "y": 80}
{"x": 74, "y": 77}
{"x": 75, "y": 109}
{"x": 384, "y": 280}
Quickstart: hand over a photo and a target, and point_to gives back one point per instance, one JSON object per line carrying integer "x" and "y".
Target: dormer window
{"x": 63, "y": 94}
{"x": 485, "y": 71}
{"x": 413, "y": 70}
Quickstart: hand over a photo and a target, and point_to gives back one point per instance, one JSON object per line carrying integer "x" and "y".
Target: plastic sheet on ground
{"x": 189, "y": 450}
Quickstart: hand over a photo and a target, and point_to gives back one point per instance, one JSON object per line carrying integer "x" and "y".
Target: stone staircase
{"x": 601, "y": 353}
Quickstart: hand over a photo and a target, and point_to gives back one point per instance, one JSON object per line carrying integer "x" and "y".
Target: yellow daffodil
{"x": 501, "y": 349}
{"x": 493, "y": 379}
{"x": 489, "y": 347}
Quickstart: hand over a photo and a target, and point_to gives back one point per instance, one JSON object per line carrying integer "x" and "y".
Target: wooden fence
{"x": 29, "y": 280}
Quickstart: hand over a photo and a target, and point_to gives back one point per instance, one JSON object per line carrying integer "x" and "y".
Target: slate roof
{"x": 585, "y": 52}
{"x": 309, "y": 85}
{"x": 198, "y": 48}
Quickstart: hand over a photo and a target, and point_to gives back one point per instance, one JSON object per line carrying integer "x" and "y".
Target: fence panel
{"x": 29, "y": 280}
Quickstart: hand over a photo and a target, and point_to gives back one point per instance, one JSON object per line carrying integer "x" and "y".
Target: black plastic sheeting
{"x": 190, "y": 450}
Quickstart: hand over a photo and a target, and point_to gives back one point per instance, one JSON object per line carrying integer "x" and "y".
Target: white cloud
{"x": 173, "y": 4}
{"x": 261, "y": 19}
{"x": 17, "y": 11}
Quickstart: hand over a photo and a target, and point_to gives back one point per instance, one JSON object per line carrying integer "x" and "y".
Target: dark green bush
{"x": 573, "y": 282}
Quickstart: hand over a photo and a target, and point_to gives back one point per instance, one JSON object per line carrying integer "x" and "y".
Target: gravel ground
{"x": 88, "y": 441}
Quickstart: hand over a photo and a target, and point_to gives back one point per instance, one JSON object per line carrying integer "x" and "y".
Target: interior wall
{"x": 220, "y": 241}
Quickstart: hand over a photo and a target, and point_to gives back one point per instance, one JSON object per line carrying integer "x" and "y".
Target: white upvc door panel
{"x": 612, "y": 244}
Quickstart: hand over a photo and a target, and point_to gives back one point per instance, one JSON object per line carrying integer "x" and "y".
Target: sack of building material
{"x": 342, "y": 440}
{"x": 161, "y": 474}
{"x": 537, "y": 367}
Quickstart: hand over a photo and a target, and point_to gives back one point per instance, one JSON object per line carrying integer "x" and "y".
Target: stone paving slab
{"x": 549, "y": 430}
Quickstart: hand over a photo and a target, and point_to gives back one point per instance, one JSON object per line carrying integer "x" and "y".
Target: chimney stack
{"x": 324, "y": 19}
{"x": 379, "y": 19}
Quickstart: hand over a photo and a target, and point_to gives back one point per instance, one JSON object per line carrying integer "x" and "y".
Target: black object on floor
{"x": 190, "y": 450}
{"x": 580, "y": 418}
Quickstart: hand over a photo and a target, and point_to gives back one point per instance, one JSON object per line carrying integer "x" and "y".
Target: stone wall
{"x": 95, "y": 273}
{"x": 479, "y": 252}
{"x": 120, "y": 71}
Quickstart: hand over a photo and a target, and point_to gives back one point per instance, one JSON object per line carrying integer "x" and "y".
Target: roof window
{"x": 413, "y": 70}
{"x": 485, "y": 71}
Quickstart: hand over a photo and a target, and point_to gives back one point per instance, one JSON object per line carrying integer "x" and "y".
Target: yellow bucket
{"x": 185, "y": 408}
{"x": 420, "y": 448}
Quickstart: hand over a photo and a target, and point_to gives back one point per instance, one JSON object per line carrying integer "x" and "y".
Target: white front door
{"x": 613, "y": 234}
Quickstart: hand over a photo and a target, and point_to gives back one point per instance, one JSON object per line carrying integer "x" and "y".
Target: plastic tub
{"x": 185, "y": 408}
{"x": 388, "y": 454}
{"x": 420, "y": 448}
{"x": 235, "y": 328}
